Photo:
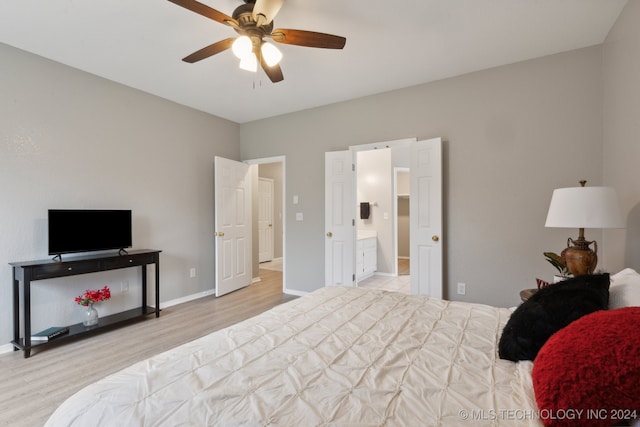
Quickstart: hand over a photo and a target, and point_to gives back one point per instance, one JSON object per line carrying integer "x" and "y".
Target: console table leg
{"x": 158, "y": 286}
{"x": 27, "y": 314}
{"x": 143, "y": 279}
{"x": 16, "y": 307}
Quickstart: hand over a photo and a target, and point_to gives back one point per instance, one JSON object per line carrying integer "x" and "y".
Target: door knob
{"x": 270, "y": 225}
{"x": 221, "y": 233}
{"x": 435, "y": 238}
{"x": 329, "y": 234}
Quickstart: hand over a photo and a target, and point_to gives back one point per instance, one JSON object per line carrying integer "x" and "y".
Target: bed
{"x": 337, "y": 357}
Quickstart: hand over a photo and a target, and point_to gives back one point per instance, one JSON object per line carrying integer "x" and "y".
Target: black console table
{"x": 28, "y": 271}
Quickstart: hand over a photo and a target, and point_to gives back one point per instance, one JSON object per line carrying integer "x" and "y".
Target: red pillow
{"x": 588, "y": 373}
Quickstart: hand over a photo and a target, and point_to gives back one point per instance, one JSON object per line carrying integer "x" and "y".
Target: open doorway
{"x": 382, "y": 218}
{"x": 268, "y": 196}
{"x": 424, "y": 158}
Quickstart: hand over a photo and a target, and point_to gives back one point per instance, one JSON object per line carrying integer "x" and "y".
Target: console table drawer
{"x": 63, "y": 269}
{"x": 124, "y": 261}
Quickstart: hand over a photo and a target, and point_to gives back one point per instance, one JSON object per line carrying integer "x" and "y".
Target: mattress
{"x": 337, "y": 357}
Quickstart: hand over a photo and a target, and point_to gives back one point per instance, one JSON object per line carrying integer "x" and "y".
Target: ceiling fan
{"x": 254, "y": 22}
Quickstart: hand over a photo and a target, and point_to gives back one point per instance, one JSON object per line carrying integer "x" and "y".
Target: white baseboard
{"x": 6, "y": 348}
{"x": 385, "y": 274}
{"x": 295, "y": 293}
{"x": 187, "y": 298}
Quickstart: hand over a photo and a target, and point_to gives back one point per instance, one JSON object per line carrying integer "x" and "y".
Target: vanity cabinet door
{"x": 359, "y": 258}
{"x": 370, "y": 256}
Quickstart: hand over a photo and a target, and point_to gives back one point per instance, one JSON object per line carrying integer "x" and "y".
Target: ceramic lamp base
{"x": 580, "y": 259}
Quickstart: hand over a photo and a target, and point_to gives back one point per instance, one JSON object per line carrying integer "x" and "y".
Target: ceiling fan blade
{"x": 274, "y": 73}
{"x": 268, "y": 9}
{"x": 308, "y": 38}
{"x": 206, "y": 11}
{"x": 210, "y": 50}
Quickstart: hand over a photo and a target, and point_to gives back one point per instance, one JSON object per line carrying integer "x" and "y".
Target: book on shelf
{"x": 50, "y": 333}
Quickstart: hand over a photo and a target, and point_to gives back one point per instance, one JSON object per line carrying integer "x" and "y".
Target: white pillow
{"x": 624, "y": 290}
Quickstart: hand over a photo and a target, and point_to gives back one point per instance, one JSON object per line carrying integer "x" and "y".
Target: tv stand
{"x": 28, "y": 271}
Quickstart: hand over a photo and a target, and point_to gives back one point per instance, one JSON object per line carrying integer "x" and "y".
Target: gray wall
{"x": 511, "y": 135}
{"x": 621, "y": 71}
{"x": 69, "y": 139}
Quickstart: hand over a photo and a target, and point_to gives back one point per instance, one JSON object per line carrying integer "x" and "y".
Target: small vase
{"x": 91, "y": 317}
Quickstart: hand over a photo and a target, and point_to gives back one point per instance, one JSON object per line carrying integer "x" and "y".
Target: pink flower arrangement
{"x": 93, "y": 296}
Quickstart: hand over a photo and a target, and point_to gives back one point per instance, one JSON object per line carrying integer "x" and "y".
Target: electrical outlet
{"x": 124, "y": 286}
{"x": 192, "y": 272}
{"x": 462, "y": 288}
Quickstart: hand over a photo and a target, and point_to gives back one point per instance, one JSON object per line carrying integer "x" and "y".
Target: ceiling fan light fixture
{"x": 242, "y": 47}
{"x": 270, "y": 54}
{"x": 260, "y": 20}
{"x": 253, "y": 22}
{"x": 249, "y": 63}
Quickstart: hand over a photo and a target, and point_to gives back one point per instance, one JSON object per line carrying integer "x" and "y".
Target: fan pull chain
{"x": 259, "y": 83}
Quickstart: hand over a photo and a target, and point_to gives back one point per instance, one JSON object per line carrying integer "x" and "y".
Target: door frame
{"x": 283, "y": 160}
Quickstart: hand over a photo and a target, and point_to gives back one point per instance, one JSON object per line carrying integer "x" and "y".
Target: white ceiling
{"x": 390, "y": 45}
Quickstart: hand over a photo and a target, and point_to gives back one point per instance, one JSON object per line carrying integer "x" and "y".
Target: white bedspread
{"x": 338, "y": 357}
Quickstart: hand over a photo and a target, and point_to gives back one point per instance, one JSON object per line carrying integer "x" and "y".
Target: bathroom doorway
{"x": 342, "y": 201}
{"x": 382, "y": 218}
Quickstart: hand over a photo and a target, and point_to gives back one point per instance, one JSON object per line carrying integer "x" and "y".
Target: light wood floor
{"x": 31, "y": 389}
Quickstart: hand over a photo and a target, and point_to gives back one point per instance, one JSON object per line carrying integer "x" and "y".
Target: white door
{"x": 339, "y": 219}
{"x": 232, "y": 225}
{"x": 425, "y": 213}
{"x": 265, "y": 219}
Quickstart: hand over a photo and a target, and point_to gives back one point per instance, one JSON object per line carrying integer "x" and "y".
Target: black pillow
{"x": 549, "y": 310}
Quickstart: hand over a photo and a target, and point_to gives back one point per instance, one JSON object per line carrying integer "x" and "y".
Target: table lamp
{"x": 583, "y": 207}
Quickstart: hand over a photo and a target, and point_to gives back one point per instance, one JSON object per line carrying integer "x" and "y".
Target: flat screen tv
{"x": 85, "y": 230}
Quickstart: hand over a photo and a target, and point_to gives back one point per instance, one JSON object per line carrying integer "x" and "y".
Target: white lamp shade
{"x": 249, "y": 63}
{"x": 270, "y": 54}
{"x": 584, "y": 207}
{"x": 264, "y": 11}
{"x": 242, "y": 47}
